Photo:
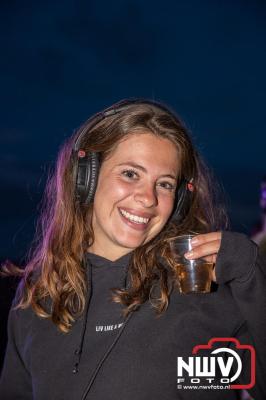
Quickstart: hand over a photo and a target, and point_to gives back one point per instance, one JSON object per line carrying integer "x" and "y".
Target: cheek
{"x": 112, "y": 189}
{"x": 166, "y": 206}
{"x": 120, "y": 191}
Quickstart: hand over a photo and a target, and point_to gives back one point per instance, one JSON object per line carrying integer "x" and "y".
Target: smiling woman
{"x": 134, "y": 200}
{"x": 98, "y": 313}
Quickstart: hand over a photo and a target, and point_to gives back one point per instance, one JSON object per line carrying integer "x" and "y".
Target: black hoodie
{"x": 105, "y": 356}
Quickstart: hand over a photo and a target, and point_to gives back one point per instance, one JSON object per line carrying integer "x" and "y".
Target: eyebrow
{"x": 140, "y": 167}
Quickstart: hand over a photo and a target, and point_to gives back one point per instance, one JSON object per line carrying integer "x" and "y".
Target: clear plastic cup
{"x": 194, "y": 276}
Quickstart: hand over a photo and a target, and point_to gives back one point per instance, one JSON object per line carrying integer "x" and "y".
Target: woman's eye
{"x": 129, "y": 173}
{"x": 167, "y": 185}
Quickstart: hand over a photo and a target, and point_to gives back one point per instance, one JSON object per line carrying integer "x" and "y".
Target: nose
{"x": 146, "y": 196}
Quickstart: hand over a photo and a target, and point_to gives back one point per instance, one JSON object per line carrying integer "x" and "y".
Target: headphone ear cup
{"x": 183, "y": 200}
{"x": 87, "y": 177}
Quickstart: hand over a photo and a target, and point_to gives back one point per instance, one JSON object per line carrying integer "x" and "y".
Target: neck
{"x": 109, "y": 254}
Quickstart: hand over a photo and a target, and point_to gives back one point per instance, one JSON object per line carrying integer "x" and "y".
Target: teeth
{"x": 134, "y": 218}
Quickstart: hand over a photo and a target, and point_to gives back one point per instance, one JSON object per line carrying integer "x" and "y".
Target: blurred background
{"x": 63, "y": 61}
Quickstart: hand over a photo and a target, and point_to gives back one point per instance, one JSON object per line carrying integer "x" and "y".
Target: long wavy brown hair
{"x": 54, "y": 281}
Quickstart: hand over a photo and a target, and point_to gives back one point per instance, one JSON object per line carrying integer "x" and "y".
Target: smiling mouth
{"x": 134, "y": 218}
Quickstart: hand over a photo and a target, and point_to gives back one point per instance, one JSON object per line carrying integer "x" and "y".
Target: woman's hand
{"x": 206, "y": 246}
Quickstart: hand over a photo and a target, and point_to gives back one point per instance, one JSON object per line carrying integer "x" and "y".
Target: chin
{"x": 131, "y": 244}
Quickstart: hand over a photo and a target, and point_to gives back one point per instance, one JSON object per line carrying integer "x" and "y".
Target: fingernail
{"x": 194, "y": 240}
{"x": 189, "y": 254}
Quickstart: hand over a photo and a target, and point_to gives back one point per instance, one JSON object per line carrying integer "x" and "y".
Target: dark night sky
{"x": 63, "y": 61}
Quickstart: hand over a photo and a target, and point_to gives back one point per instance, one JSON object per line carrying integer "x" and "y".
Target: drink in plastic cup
{"x": 194, "y": 276}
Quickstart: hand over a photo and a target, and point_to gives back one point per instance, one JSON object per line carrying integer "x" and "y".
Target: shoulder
{"x": 20, "y": 321}
{"x": 21, "y": 317}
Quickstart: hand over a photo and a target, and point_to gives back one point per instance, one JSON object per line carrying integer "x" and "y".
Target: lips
{"x": 138, "y": 220}
{"x": 137, "y": 213}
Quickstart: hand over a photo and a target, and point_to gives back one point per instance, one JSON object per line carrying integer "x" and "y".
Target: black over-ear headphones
{"x": 87, "y": 166}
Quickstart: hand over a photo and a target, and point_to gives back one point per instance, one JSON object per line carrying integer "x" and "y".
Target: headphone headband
{"x": 115, "y": 109}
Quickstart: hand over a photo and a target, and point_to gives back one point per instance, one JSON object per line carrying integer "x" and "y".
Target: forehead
{"x": 146, "y": 149}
